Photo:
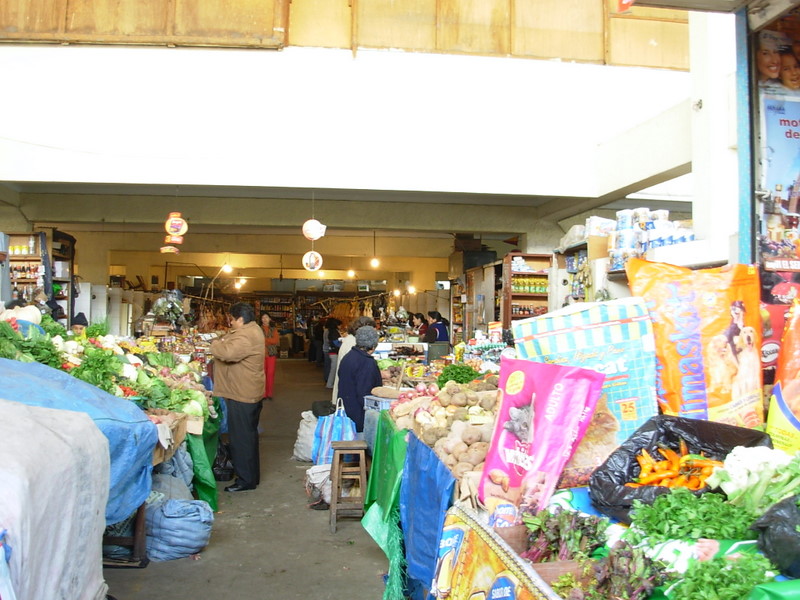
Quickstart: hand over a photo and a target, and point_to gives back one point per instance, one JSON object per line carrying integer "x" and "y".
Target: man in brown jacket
{"x": 239, "y": 379}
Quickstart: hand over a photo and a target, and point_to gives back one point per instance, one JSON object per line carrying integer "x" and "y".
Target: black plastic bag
{"x": 778, "y": 537}
{"x": 223, "y": 466}
{"x": 322, "y": 408}
{"x": 607, "y": 484}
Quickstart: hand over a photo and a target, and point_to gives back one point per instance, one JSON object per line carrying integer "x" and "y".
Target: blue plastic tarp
{"x": 131, "y": 435}
{"x": 426, "y": 492}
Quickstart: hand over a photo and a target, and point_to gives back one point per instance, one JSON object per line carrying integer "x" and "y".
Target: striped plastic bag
{"x": 614, "y": 338}
{"x": 337, "y": 427}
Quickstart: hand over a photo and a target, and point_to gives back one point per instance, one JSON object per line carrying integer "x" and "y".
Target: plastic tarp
{"x": 131, "y": 435}
{"x": 54, "y": 478}
{"x": 381, "y": 504}
{"x": 426, "y": 492}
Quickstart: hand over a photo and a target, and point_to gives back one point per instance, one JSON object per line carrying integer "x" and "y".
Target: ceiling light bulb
{"x": 226, "y": 268}
{"x": 242, "y": 281}
{"x": 237, "y": 285}
{"x": 351, "y": 273}
{"x": 412, "y": 289}
{"x": 397, "y": 292}
{"x": 375, "y": 263}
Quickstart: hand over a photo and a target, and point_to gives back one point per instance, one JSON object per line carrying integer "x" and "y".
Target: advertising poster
{"x": 474, "y": 565}
{"x": 778, "y": 78}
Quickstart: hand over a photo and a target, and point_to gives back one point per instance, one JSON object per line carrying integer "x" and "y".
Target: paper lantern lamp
{"x": 313, "y": 229}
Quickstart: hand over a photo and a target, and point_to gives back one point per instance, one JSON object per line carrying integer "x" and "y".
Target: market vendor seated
{"x": 78, "y": 325}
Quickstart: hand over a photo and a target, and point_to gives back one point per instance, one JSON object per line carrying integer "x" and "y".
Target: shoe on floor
{"x": 239, "y": 487}
{"x": 319, "y": 505}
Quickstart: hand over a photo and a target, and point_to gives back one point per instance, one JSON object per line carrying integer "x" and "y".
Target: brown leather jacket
{"x": 239, "y": 364}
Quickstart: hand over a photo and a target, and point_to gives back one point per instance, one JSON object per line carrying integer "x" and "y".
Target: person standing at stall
{"x": 348, "y": 343}
{"x": 271, "y": 340}
{"x": 239, "y": 380}
{"x": 358, "y": 374}
{"x": 437, "y": 328}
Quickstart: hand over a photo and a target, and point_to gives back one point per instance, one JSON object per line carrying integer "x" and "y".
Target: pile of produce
{"x": 682, "y": 515}
{"x": 456, "y": 421}
{"x": 149, "y": 378}
{"x": 677, "y": 469}
{"x": 621, "y": 571}
{"x": 757, "y": 478}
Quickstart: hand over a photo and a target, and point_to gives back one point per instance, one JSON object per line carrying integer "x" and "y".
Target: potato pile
{"x": 457, "y": 423}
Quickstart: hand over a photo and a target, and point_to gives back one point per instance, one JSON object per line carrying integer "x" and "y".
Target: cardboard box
{"x": 177, "y": 423}
{"x": 194, "y": 425}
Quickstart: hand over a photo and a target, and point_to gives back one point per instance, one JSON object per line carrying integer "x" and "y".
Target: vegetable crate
{"x": 377, "y": 403}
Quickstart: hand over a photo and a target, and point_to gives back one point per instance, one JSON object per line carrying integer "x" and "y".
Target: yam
{"x": 451, "y": 387}
{"x": 458, "y": 448}
{"x": 487, "y": 429}
{"x": 471, "y": 435}
{"x": 461, "y": 414}
{"x": 459, "y": 399}
{"x": 405, "y": 422}
{"x": 444, "y": 398}
{"x": 457, "y": 429}
{"x": 487, "y": 400}
{"x": 441, "y": 444}
{"x": 450, "y": 461}
{"x": 472, "y": 398}
{"x": 476, "y": 453}
{"x": 385, "y": 392}
{"x": 429, "y": 436}
{"x": 480, "y": 466}
{"x": 461, "y": 468}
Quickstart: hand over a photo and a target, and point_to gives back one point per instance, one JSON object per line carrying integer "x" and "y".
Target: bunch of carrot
{"x": 674, "y": 469}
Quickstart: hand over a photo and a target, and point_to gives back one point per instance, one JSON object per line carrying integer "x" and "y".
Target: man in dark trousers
{"x": 239, "y": 380}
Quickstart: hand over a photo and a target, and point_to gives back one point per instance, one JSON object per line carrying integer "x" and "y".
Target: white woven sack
{"x": 305, "y": 436}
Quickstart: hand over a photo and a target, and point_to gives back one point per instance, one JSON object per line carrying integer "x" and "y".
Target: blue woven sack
{"x": 337, "y": 427}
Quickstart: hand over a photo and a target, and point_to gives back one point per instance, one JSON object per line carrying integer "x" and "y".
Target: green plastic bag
{"x": 203, "y": 450}
{"x": 777, "y": 590}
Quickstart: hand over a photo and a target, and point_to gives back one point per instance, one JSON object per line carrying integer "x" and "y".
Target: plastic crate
{"x": 377, "y": 403}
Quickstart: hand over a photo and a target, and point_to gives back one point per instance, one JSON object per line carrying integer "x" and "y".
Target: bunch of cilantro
{"x": 681, "y": 515}
{"x": 723, "y": 578}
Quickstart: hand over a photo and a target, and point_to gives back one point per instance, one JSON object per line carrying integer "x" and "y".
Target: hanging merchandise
{"x": 175, "y": 224}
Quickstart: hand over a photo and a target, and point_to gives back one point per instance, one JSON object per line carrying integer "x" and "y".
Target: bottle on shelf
{"x": 31, "y": 245}
{"x": 15, "y": 292}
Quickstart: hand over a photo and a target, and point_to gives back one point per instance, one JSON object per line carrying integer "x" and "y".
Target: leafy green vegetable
{"x": 562, "y": 535}
{"x": 41, "y": 348}
{"x": 756, "y": 478}
{"x": 457, "y": 373}
{"x": 723, "y": 578}
{"x": 680, "y": 515}
{"x": 99, "y": 367}
{"x": 52, "y": 327}
{"x": 625, "y": 573}
{"x": 97, "y": 329}
{"x": 161, "y": 359}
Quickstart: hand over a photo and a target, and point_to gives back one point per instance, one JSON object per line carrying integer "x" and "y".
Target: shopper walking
{"x": 239, "y": 380}
{"x": 271, "y": 340}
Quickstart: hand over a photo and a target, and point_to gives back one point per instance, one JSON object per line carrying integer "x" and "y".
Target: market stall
{"x": 593, "y": 439}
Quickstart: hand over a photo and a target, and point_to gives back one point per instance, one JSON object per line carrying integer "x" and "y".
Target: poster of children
{"x": 777, "y": 72}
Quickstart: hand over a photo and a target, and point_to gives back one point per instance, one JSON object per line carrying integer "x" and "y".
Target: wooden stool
{"x": 350, "y": 506}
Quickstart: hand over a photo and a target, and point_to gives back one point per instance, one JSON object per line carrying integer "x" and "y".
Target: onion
{"x": 421, "y": 388}
{"x": 402, "y": 396}
{"x": 433, "y": 389}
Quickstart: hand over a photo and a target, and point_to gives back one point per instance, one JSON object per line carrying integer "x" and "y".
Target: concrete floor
{"x": 266, "y": 543}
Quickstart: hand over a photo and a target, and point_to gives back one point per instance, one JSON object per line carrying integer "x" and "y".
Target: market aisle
{"x": 266, "y": 543}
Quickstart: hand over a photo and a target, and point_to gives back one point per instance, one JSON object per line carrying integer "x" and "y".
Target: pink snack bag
{"x": 545, "y": 410}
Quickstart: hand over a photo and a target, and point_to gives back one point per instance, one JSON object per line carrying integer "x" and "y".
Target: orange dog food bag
{"x": 707, "y": 327}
